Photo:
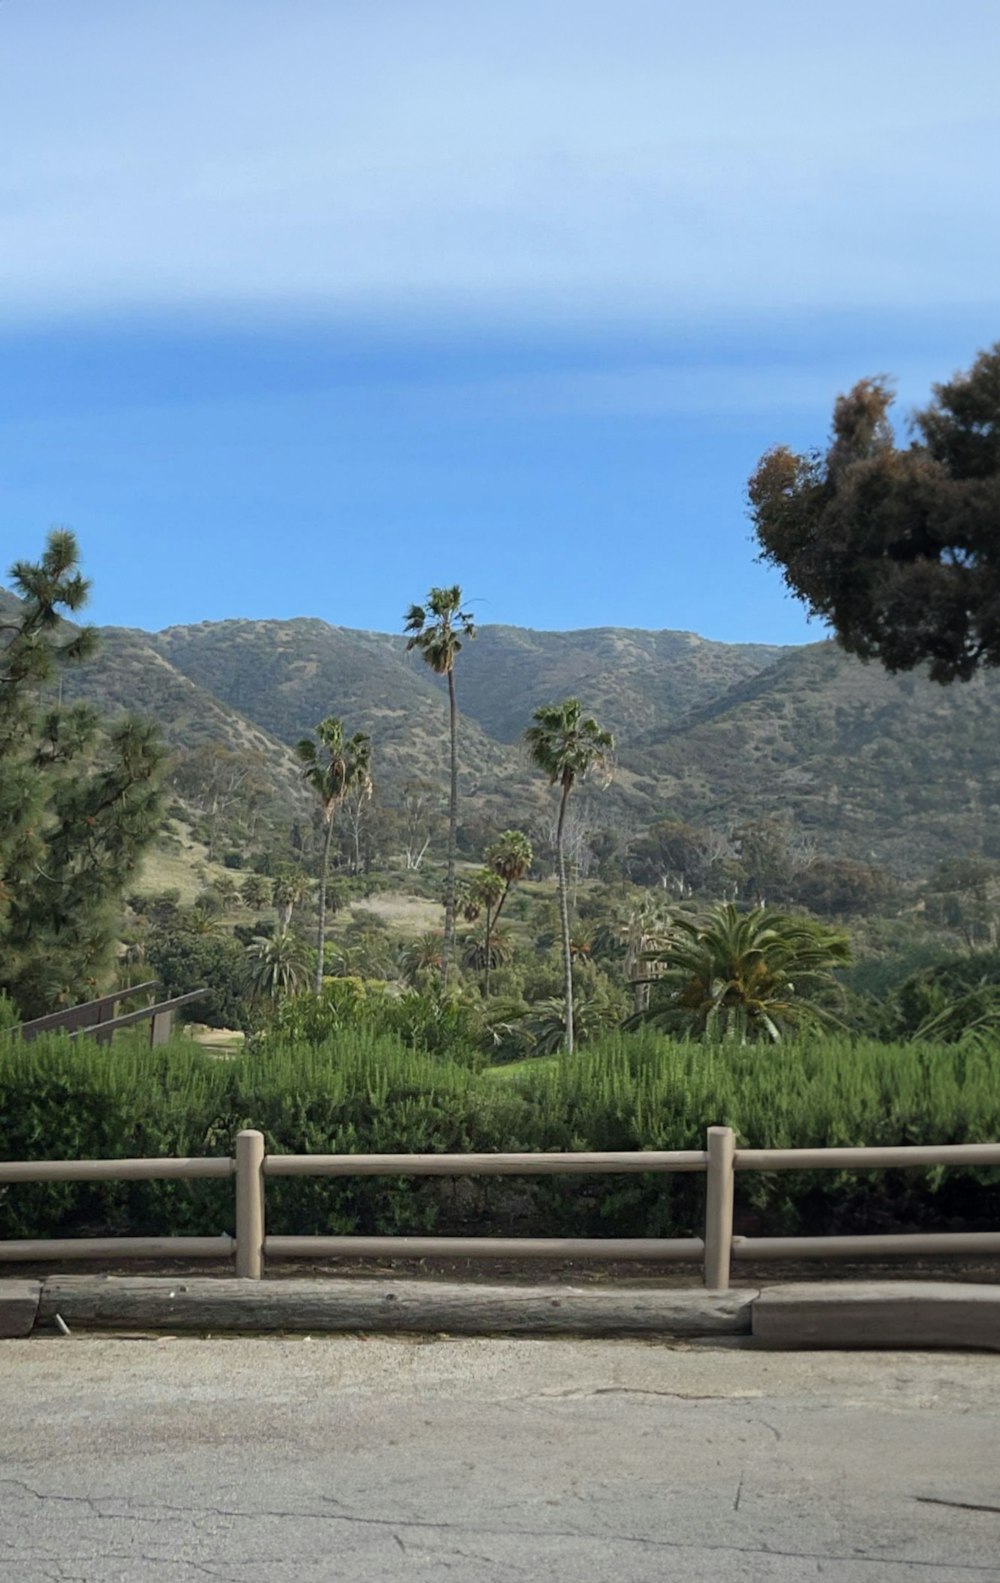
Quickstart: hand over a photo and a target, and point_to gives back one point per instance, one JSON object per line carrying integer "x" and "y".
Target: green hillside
{"x": 892, "y": 770}
{"x": 637, "y": 682}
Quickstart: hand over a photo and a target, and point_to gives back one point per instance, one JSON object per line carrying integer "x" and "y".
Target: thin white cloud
{"x": 554, "y": 156}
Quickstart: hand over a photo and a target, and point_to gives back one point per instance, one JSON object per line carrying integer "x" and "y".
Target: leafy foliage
{"x": 897, "y": 548}
{"x": 744, "y": 976}
{"x": 360, "y": 1090}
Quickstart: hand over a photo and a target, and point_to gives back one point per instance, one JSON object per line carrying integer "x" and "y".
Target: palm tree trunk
{"x": 449, "y": 893}
{"x": 321, "y": 927}
{"x": 564, "y": 917}
{"x": 490, "y": 920}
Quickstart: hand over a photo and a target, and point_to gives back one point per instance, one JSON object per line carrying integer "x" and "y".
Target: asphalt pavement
{"x": 298, "y": 1460}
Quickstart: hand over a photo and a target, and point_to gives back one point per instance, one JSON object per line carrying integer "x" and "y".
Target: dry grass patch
{"x": 410, "y": 915}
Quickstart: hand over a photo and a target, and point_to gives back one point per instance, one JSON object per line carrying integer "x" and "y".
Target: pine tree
{"x": 78, "y": 803}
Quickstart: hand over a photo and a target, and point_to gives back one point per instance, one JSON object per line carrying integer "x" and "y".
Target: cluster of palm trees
{"x": 720, "y": 972}
{"x": 563, "y": 743}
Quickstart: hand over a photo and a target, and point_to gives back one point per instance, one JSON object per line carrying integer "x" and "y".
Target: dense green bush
{"x": 367, "y": 1091}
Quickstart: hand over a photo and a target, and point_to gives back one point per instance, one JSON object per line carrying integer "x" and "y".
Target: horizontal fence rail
{"x": 150, "y": 1170}
{"x": 685, "y": 1249}
{"x": 720, "y": 1161}
{"x": 483, "y": 1164}
{"x": 24, "y": 1252}
{"x": 90, "y": 1014}
{"x": 876, "y": 1159}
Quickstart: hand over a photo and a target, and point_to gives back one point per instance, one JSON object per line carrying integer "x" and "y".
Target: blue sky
{"x": 305, "y": 307}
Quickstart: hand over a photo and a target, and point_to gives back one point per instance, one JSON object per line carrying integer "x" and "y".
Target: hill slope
{"x": 892, "y": 769}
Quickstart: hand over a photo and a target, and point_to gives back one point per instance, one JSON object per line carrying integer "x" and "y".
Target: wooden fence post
{"x": 719, "y": 1208}
{"x": 250, "y": 1205}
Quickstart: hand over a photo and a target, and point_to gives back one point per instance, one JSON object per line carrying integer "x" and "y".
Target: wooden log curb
{"x": 206, "y": 1303}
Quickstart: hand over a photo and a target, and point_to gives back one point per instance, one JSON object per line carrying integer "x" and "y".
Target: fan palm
{"x": 255, "y": 892}
{"x": 630, "y": 937}
{"x": 333, "y": 768}
{"x": 742, "y": 975}
{"x": 486, "y": 893}
{"x": 510, "y": 856}
{"x": 288, "y": 891}
{"x": 436, "y": 630}
{"x": 567, "y": 746}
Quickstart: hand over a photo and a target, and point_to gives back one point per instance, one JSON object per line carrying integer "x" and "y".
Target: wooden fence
{"x": 95, "y": 1019}
{"x": 719, "y": 1161}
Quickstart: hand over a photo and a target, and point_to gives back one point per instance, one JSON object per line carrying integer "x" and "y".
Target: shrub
{"x": 358, "y": 1089}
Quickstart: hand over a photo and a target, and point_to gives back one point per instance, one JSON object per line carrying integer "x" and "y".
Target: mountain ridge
{"x": 894, "y": 770}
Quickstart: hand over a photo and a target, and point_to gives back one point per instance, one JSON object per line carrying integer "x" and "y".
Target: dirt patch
{"x": 533, "y": 1272}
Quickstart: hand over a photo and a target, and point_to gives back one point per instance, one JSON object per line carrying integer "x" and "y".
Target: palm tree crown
{"x": 336, "y": 765}
{"x": 332, "y": 769}
{"x": 510, "y": 856}
{"x": 437, "y": 627}
{"x": 742, "y": 975}
{"x": 566, "y": 745}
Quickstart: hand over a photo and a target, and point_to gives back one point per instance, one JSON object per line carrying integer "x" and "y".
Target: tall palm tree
{"x": 332, "y": 769}
{"x": 567, "y": 745}
{"x": 486, "y": 892}
{"x": 510, "y": 856}
{"x": 436, "y": 630}
{"x": 742, "y": 975}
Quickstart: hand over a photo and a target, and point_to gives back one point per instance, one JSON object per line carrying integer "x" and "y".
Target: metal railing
{"x": 715, "y": 1249}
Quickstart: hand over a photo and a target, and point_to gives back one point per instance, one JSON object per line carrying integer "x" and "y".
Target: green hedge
{"x": 365, "y": 1092}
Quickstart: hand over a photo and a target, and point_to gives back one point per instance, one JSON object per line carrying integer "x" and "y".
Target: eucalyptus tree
{"x": 436, "y": 630}
{"x": 567, "y": 746}
{"x": 333, "y": 768}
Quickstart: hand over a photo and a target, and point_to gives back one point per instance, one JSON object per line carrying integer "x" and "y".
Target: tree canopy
{"x": 896, "y": 547}
{"x": 78, "y": 803}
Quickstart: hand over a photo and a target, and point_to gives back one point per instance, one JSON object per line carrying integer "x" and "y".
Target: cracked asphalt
{"x": 161, "y": 1460}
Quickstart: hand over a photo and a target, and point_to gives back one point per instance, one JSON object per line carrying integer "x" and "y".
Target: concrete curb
{"x": 873, "y": 1314}
{"x": 19, "y": 1302}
